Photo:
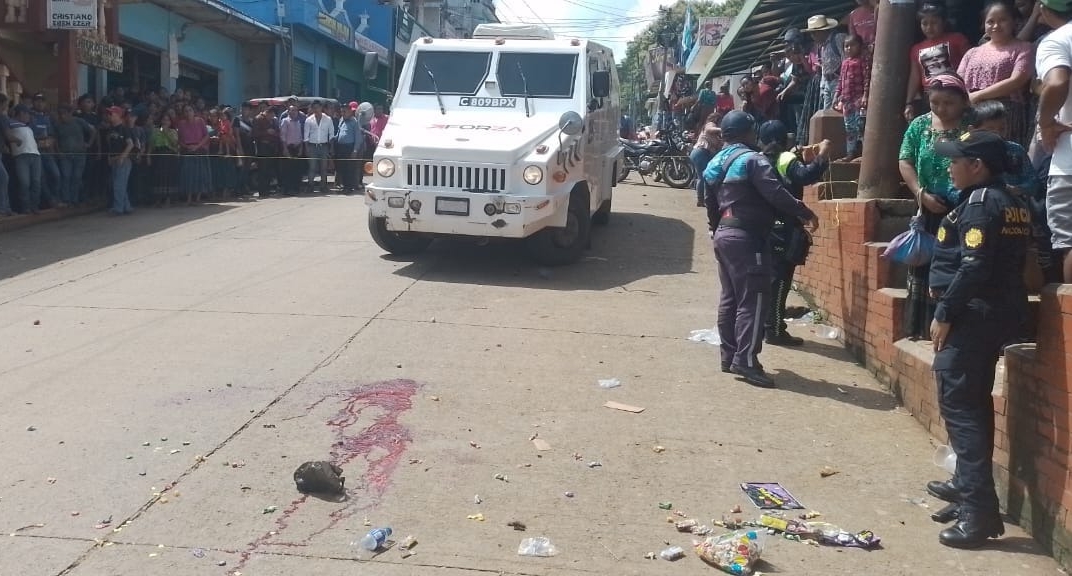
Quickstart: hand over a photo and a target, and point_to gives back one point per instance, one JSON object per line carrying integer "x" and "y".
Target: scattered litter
{"x": 658, "y": 449}
{"x": 319, "y": 478}
{"x": 153, "y": 555}
{"x": 130, "y": 456}
{"x": 650, "y": 556}
{"x": 185, "y": 443}
{"x": 701, "y": 530}
{"x": 534, "y": 436}
{"x": 624, "y": 407}
{"x": 502, "y": 477}
{"x": 736, "y": 552}
{"x": 770, "y": 496}
{"x": 367, "y": 522}
{"x": 686, "y": 525}
{"x": 828, "y": 332}
{"x": 541, "y": 444}
{"x": 145, "y": 443}
{"x": 236, "y": 464}
{"x": 827, "y": 472}
{"x": 709, "y": 335}
{"x": 736, "y": 509}
{"x": 474, "y": 444}
{"x": 269, "y": 509}
{"x": 164, "y": 439}
{"x": 267, "y": 425}
{"x": 176, "y": 451}
{"x": 375, "y": 539}
{"x": 921, "y": 502}
{"x": 539, "y": 547}
{"x": 477, "y": 517}
{"x": 578, "y": 456}
{"x": 804, "y": 320}
{"x": 405, "y": 553}
{"x": 221, "y": 563}
{"x": 595, "y": 464}
{"x": 680, "y": 513}
{"x": 408, "y": 543}
{"x": 50, "y": 480}
{"x": 569, "y": 494}
{"x": 75, "y": 513}
{"x": 477, "y": 499}
{"x": 823, "y": 532}
{"x": 842, "y": 390}
{"x": 416, "y": 461}
{"x": 810, "y": 515}
{"x": 665, "y": 505}
{"x": 198, "y": 553}
{"x": 610, "y": 383}
{"x": 245, "y": 488}
{"x": 517, "y": 525}
{"x": 37, "y": 322}
{"x": 31, "y": 428}
{"x": 32, "y": 527}
{"x": 435, "y": 398}
{"x": 104, "y": 523}
{"x": 672, "y": 553}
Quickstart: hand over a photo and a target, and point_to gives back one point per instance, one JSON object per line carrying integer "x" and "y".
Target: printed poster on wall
{"x": 712, "y": 29}
{"x": 72, "y": 14}
{"x": 656, "y": 63}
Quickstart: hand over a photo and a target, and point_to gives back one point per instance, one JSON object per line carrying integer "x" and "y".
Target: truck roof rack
{"x": 516, "y": 31}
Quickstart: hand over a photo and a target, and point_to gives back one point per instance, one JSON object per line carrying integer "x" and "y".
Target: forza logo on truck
{"x": 474, "y": 127}
{"x": 482, "y": 102}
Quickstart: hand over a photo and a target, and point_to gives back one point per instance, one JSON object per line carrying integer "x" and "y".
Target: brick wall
{"x": 858, "y": 291}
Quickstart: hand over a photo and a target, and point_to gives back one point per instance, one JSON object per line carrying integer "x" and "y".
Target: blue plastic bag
{"x": 914, "y": 247}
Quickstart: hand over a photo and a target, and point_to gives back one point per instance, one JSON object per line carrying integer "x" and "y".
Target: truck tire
{"x": 566, "y": 245}
{"x": 398, "y": 243}
{"x": 602, "y": 216}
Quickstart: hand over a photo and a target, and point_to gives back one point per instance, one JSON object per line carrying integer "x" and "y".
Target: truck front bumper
{"x": 465, "y": 213}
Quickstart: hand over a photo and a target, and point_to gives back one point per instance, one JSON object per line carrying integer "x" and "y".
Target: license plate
{"x": 452, "y": 206}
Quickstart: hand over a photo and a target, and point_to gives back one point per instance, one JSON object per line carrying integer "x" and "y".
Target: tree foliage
{"x": 666, "y": 29}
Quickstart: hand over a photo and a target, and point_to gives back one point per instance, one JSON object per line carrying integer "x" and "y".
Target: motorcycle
{"x": 668, "y": 158}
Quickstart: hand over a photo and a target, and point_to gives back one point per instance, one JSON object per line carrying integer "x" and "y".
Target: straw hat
{"x": 819, "y": 23}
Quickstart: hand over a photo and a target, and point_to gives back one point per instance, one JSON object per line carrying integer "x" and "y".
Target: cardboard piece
{"x": 541, "y": 444}
{"x": 624, "y": 407}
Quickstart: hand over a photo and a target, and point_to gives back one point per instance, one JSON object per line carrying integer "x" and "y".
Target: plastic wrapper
{"x": 539, "y": 547}
{"x": 832, "y": 535}
{"x": 733, "y": 553}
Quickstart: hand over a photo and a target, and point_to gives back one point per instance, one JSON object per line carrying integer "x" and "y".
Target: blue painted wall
{"x": 304, "y": 12}
{"x": 151, "y": 25}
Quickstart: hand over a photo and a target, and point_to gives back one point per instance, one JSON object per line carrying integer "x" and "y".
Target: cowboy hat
{"x": 820, "y": 23}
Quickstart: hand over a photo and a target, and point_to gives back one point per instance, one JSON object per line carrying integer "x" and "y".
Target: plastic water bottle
{"x": 946, "y": 458}
{"x": 375, "y": 539}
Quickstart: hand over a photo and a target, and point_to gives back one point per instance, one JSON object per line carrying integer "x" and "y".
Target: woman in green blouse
{"x": 164, "y": 144}
{"x": 927, "y": 175}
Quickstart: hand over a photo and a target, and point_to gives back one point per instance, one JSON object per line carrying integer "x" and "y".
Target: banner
{"x": 654, "y": 67}
{"x": 713, "y": 28}
{"x": 72, "y": 14}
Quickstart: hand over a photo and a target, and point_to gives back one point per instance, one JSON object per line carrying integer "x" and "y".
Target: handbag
{"x": 914, "y": 247}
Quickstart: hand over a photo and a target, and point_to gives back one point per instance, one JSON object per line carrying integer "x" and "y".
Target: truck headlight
{"x": 385, "y": 168}
{"x": 533, "y": 175}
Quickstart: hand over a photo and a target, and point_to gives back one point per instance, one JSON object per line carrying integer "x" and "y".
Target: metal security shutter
{"x": 300, "y": 74}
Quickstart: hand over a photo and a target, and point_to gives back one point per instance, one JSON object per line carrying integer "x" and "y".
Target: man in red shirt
{"x": 379, "y": 122}
{"x": 766, "y": 95}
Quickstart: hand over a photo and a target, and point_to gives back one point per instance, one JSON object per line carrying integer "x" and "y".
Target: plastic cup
{"x": 945, "y": 458}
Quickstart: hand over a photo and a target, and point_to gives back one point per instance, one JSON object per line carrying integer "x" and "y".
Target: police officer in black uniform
{"x": 977, "y": 278}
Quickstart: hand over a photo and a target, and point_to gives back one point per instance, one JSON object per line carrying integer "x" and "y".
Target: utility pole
{"x": 879, "y": 174}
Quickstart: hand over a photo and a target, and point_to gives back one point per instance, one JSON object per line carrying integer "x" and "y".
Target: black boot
{"x": 783, "y": 339}
{"x": 948, "y": 514}
{"x": 754, "y": 376}
{"x": 972, "y": 530}
{"x": 943, "y": 490}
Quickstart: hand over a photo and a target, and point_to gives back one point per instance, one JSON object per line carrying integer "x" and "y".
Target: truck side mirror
{"x": 571, "y": 123}
{"x": 371, "y": 65}
{"x": 601, "y": 83}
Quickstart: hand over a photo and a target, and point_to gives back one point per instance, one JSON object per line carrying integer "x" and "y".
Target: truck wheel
{"x": 399, "y": 243}
{"x": 559, "y": 246}
{"x": 602, "y": 216}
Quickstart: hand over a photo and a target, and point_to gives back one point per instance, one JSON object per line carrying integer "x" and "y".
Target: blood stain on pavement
{"x": 381, "y": 443}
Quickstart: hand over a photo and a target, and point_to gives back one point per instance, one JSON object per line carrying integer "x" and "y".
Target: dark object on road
{"x": 517, "y": 525}
{"x": 319, "y": 478}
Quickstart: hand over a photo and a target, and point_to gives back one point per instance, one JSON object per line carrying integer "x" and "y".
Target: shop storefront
{"x": 201, "y": 48}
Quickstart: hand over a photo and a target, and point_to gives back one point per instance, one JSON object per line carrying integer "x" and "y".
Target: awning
{"x": 758, "y": 30}
{"x": 218, "y": 17}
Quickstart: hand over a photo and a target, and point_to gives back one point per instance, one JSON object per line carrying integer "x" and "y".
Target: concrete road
{"x": 169, "y": 371}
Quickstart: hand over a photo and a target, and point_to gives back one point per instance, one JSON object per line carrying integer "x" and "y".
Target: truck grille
{"x": 445, "y": 176}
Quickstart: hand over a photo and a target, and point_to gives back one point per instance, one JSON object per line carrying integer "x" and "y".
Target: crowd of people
{"x": 153, "y": 148}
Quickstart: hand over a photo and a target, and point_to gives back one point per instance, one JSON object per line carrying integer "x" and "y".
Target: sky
{"x": 610, "y": 22}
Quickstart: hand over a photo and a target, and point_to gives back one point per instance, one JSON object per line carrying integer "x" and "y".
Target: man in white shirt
{"x": 27, "y": 160}
{"x": 1053, "y": 63}
{"x": 319, "y": 131}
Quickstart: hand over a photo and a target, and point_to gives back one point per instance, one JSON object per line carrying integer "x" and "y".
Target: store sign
{"x": 364, "y": 44}
{"x": 93, "y": 52}
{"x": 336, "y": 29}
{"x": 72, "y": 14}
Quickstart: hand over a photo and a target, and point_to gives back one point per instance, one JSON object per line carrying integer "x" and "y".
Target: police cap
{"x": 979, "y": 144}
{"x": 737, "y": 123}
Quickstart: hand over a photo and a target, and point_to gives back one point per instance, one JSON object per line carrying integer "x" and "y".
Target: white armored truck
{"x": 510, "y": 134}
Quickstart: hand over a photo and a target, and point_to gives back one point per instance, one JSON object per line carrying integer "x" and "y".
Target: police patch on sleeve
{"x": 941, "y": 233}
{"x": 973, "y": 238}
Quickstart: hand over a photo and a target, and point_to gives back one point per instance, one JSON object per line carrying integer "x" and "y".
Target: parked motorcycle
{"x": 667, "y": 157}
